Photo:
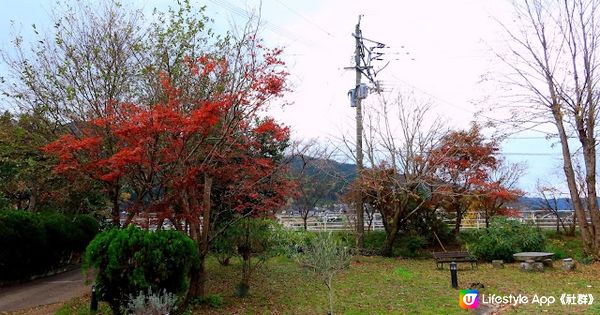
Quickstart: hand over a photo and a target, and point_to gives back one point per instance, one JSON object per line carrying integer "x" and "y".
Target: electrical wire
{"x": 305, "y": 18}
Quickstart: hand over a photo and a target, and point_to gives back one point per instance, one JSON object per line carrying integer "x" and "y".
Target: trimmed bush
{"x": 35, "y": 243}
{"x": 132, "y": 260}
{"x": 24, "y": 246}
{"x": 503, "y": 238}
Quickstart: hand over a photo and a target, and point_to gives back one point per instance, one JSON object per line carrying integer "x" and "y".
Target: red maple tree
{"x": 491, "y": 198}
{"x": 206, "y": 134}
{"x": 463, "y": 163}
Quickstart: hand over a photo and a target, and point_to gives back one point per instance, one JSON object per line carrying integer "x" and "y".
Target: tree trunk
{"x": 198, "y": 280}
{"x": 458, "y": 221}
{"x": 32, "y": 200}
{"x": 304, "y": 219}
{"x": 388, "y": 244}
{"x": 245, "y": 251}
{"x": 201, "y": 236}
{"x": 244, "y": 286}
{"x": 116, "y": 216}
{"x": 330, "y": 293}
{"x": 586, "y": 233}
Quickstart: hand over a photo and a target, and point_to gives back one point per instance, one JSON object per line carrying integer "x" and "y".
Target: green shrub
{"x": 406, "y": 245}
{"x": 61, "y": 235}
{"x": 4, "y": 203}
{"x": 345, "y": 238}
{"x": 87, "y": 228}
{"x": 586, "y": 260}
{"x": 23, "y": 243}
{"x": 132, "y": 260}
{"x": 292, "y": 242}
{"x": 559, "y": 251}
{"x": 35, "y": 243}
{"x": 410, "y": 245}
{"x": 468, "y": 236}
{"x": 564, "y": 246}
{"x": 503, "y": 238}
{"x": 373, "y": 241}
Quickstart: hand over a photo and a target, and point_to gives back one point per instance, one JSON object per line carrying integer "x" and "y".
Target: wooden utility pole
{"x": 360, "y": 223}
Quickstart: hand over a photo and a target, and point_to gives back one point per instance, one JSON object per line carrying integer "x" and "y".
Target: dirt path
{"x": 54, "y": 289}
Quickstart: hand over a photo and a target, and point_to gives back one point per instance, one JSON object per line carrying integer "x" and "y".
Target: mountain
{"x": 342, "y": 174}
{"x": 536, "y": 203}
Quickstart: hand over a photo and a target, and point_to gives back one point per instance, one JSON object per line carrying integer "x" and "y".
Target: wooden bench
{"x": 447, "y": 257}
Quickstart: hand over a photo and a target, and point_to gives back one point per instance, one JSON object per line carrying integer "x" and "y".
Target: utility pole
{"x": 360, "y": 210}
{"x": 363, "y": 55}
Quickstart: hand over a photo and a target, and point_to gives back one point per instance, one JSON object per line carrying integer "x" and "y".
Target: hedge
{"x": 36, "y": 243}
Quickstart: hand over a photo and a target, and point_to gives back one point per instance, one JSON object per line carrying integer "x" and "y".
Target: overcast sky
{"x": 437, "y": 48}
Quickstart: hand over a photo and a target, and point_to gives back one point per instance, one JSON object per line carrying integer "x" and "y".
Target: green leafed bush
{"x": 132, "y": 260}
{"x": 23, "y": 243}
{"x": 35, "y": 243}
{"x": 503, "y": 238}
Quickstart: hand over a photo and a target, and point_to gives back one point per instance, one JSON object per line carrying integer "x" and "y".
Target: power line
{"x": 470, "y": 111}
{"x": 305, "y": 18}
{"x": 268, "y": 25}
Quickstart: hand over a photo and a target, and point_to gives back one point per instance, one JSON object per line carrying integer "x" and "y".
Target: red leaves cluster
{"x": 492, "y": 197}
{"x": 464, "y": 158}
{"x": 465, "y": 161}
{"x": 169, "y": 146}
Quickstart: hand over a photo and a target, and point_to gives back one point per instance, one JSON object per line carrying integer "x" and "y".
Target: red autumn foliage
{"x": 492, "y": 198}
{"x": 463, "y": 162}
{"x": 204, "y": 134}
{"x": 162, "y": 151}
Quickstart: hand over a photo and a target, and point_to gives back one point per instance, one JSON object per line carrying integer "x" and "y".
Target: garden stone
{"x": 568, "y": 264}
{"x": 548, "y": 263}
{"x": 527, "y": 266}
{"x": 498, "y": 264}
{"x": 538, "y": 266}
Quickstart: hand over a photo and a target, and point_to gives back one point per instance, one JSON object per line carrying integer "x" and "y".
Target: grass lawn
{"x": 376, "y": 285}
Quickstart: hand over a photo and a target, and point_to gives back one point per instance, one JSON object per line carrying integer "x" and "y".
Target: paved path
{"x": 58, "y": 288}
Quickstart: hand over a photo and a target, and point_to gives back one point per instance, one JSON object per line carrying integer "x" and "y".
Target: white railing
{"x": 345, "y": 223}
{"x": 325, "y": 223}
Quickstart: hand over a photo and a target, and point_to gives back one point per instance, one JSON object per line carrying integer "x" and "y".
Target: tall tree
{"x": 492, "y": 196}
{"x": 175, "y": 153}
{"x": 96, "y": 56}
{"x": 554, "y": 66}
{"x": 462, "y": 162}
{"x": 26, "y": 180}
{"x": 398, "y": 139}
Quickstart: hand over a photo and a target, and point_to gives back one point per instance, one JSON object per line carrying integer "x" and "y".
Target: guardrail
{"x": 318, "y": 224}
{"x": 346, "y": 223}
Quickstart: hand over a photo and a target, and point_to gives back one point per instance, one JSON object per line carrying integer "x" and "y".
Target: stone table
{"x": 534, "y": 261}
{"x": 535, "y": 256}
